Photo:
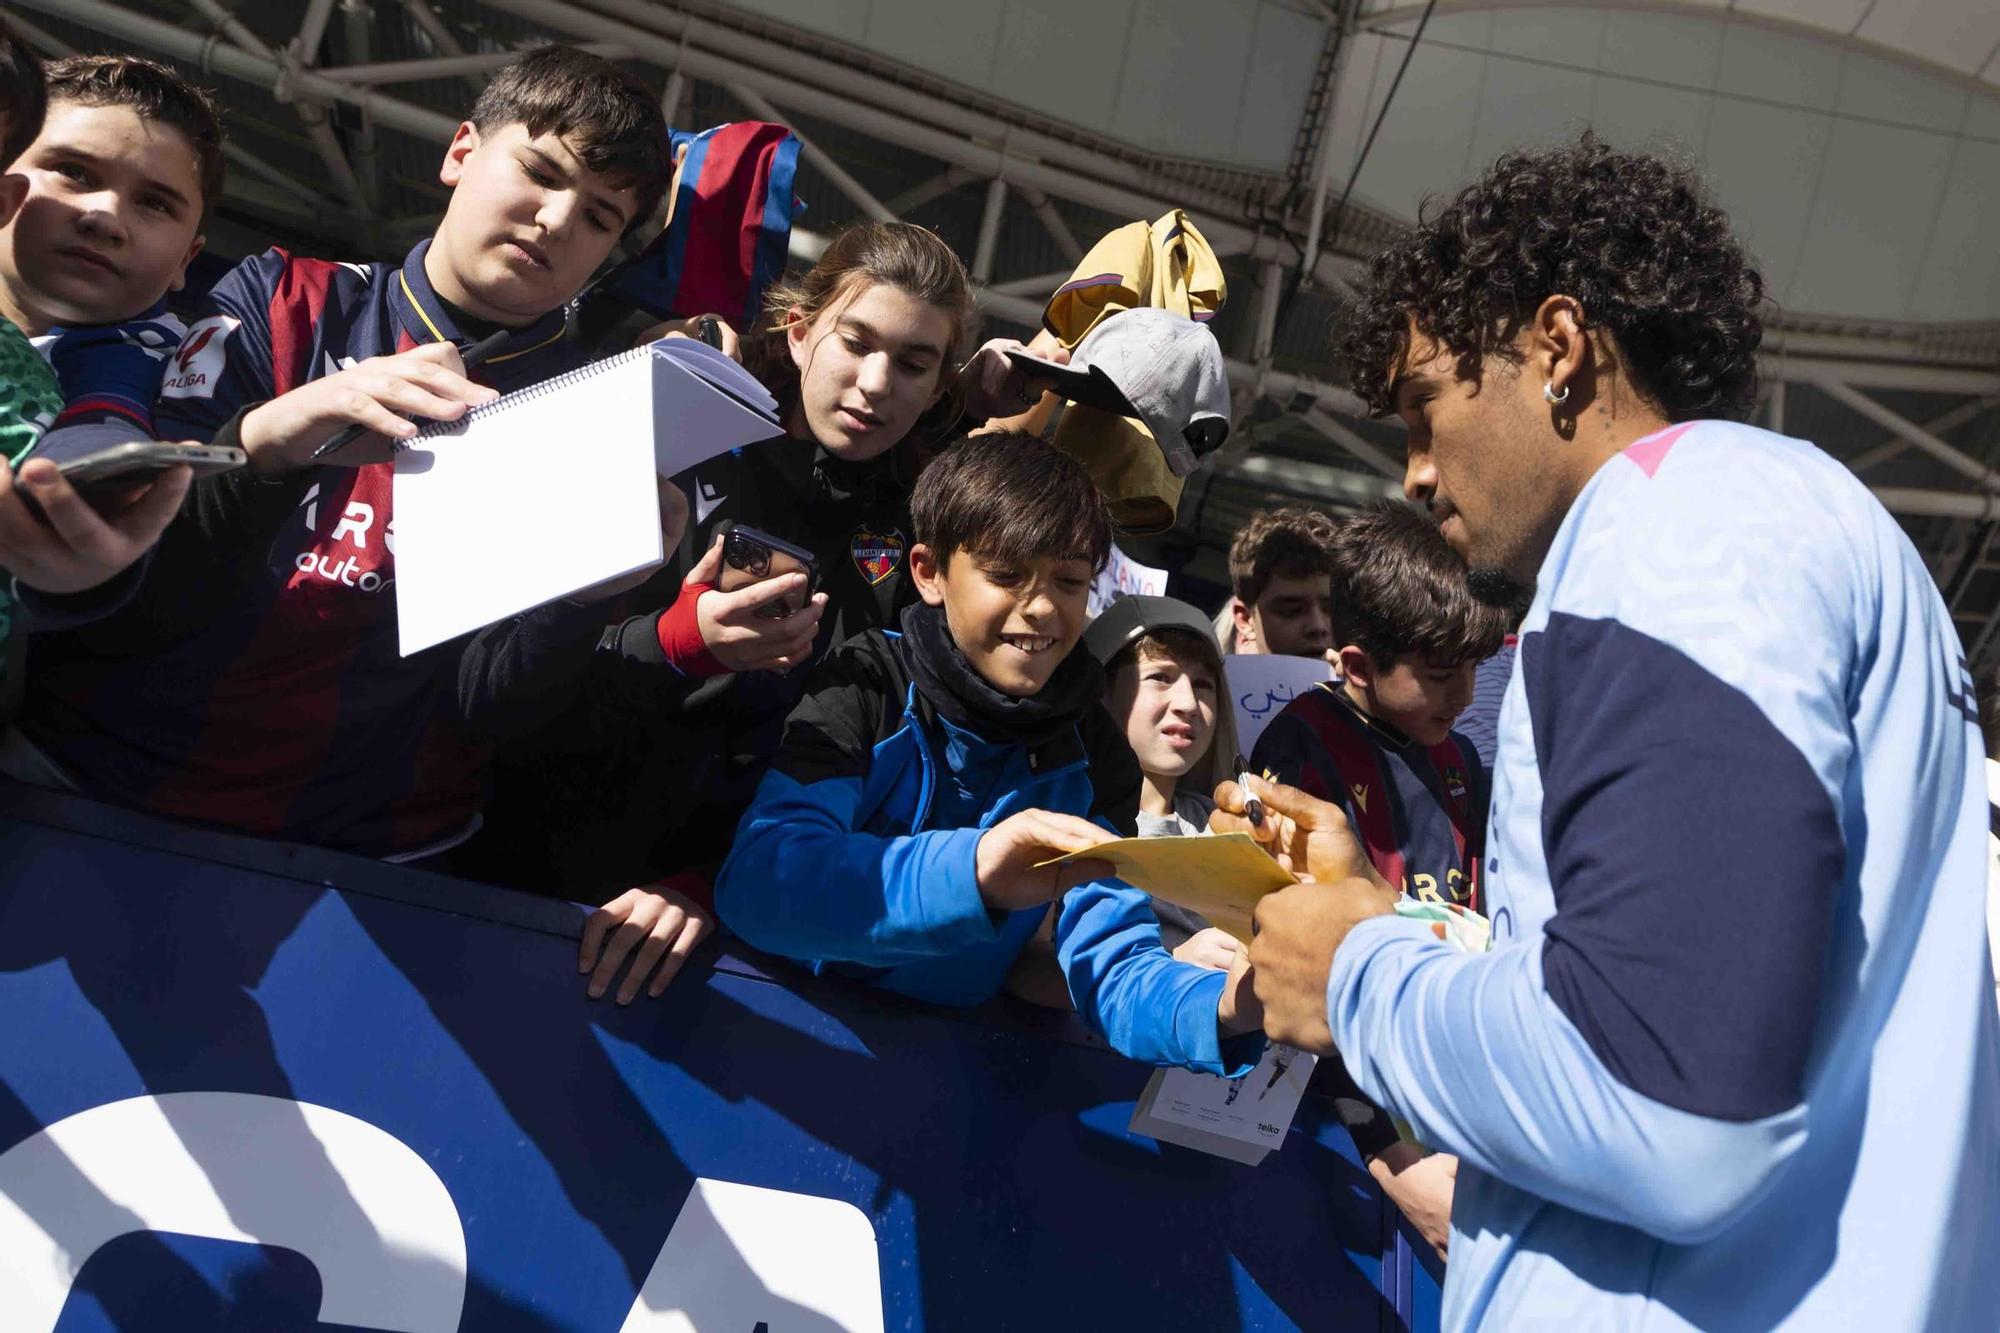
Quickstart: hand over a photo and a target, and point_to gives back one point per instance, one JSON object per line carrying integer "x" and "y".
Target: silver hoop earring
{"x": 1553, "y": 398}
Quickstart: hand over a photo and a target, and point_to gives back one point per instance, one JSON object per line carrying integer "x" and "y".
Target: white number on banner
{"x": 740, "y": 1257}
{"x": 371, "y": 1215}
{"x": 379, "y": 1225}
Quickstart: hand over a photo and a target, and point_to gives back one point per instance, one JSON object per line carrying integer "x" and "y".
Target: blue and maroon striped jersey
{"x": 259, "y": 685}
{"x": 1420, "y": 811}
{"x": 112, "y": 372}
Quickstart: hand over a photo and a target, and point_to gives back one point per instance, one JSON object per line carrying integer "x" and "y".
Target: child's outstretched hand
{"x": 70, "y": 547}
{"x": 1213, "y": 947}
{"x": 1008, "y": 863}
{"x": 665, "y": 925}
{"x": 1238, "y": 1011}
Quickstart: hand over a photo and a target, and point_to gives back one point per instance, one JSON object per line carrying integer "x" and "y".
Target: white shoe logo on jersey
{"x": 706, "y": 498}
{"x": 197, "y": 365}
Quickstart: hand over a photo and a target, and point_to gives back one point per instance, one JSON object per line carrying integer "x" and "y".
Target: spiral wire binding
{"x": 555, "y": 385}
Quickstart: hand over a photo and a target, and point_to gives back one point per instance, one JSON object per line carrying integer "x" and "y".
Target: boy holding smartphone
{"x": 57, "y": 553}
{"x": 256, "y": 680}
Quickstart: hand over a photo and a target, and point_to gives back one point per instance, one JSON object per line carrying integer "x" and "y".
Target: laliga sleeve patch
{"x": 876, "y": 554}
{"x": 196, "y": 365}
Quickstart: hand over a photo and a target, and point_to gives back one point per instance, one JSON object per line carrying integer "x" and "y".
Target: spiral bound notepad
{"x": 551, "y": 489}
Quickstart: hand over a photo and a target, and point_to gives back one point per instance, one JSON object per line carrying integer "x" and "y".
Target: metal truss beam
{"x": 1910, "y": 432}
{"x": 1349, "y": 439}
{"x": 1896, "y": 446}
{"x": 443, "y": 67}
{"x": 1055, "y": 224}
{"x": 915, "y": 125}
{"x": 441, "y": 37}
{"x": 841, "y": 179}
{"x": 304, "y": 200}
{"x": 311, "y": 114}
{"x": 283, "y": 83}
{"x": 923, "y": 192}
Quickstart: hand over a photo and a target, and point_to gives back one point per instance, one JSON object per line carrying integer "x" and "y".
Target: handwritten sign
{"x": 1122, "y": 576}
{"x": 1260, "y": 685}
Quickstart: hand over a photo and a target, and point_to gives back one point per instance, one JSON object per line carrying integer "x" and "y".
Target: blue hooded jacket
{"x": 858, "y": 857}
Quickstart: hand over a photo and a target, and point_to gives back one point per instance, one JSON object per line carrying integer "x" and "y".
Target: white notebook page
{"x": 540, "y": 496}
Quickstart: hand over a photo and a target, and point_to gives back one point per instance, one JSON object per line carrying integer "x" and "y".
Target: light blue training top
{"x": 1733, "y": 1061}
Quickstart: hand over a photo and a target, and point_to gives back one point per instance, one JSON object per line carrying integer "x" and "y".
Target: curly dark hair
{"x": 1633, "y": 237}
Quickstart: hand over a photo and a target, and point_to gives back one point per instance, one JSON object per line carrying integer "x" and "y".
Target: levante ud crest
{"x": 876, "y": 554}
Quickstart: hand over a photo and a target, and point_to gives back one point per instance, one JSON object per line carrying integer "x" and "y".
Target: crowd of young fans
{"x": 869, "y": 772}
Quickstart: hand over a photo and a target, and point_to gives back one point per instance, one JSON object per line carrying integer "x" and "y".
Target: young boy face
{"x": 1293, "y": 616}
{"x": 111, "y": 219}
{"x": 1014, "y": 623}
{"x": 1166, "y": 700}
{"x": 527, "y": 225}
{"x": 1421, "y": 699}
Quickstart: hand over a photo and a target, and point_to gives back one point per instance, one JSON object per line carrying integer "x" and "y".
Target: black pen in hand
{"x": 474, "y": 354}
{"x": 1252, "y": 807}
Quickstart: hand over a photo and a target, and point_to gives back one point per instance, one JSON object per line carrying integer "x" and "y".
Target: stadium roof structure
{"x": 1855, "y": 142}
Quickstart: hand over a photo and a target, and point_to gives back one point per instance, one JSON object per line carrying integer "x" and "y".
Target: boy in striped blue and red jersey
{"x": 1378, "y": 741}
{"x": 111, "y": 164}
{"x": 255, "y": 681}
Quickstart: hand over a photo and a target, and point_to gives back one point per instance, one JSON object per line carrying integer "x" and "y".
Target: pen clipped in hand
{"x": 474, "y": 354}
{"x": 1253, "y": 808}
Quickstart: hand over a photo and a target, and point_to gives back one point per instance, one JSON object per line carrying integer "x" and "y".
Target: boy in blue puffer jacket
{"x": 926, "y": 775}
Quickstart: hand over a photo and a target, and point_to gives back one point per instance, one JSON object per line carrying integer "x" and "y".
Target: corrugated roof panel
{"x": 1958, "y": 36}
{"x": 1062, "y": 57}
{"x": 1961, "y": 269}
{"x": 1864, "y": 245}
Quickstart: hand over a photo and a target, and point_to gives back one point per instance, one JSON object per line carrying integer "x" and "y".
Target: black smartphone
{"x": 137, "y": 460}
{"x": 750, "y": 555}
{"x": 107, "y": 456}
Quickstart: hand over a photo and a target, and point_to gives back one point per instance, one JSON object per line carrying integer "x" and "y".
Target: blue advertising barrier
{"x": 253, "y": 1086}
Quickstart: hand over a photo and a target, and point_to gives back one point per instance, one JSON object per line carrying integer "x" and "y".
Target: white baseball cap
{"x": 1162, "y": 369}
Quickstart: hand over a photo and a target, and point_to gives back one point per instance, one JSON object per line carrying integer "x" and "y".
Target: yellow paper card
{"x": 1221, "y": 876}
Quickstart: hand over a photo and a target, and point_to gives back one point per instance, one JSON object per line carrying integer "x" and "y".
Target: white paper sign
{"x": 1122, "y": 576}
{"x": 1261, "y": 684}
{"x": 1239, "y": 1118}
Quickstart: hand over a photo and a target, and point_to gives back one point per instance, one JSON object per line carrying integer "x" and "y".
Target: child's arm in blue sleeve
{"x": 1147, "y": 1004}
{"x": 803, "y": 881}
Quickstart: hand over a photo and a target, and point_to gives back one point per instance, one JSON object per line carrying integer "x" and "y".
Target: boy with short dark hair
{"x": 128, "y": 158}
{"x": 1379, "y": 740}
{"x": 57, "y": 551}
{"x": 256, "y": 680}
{"x": 1279, "y": 572}
{"x": 29, "y": 395}
{"x": 926, "y": 776}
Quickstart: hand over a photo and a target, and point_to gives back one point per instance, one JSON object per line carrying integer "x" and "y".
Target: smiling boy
{"x": 256, "y": 682}
{"x": 925, "y": 777}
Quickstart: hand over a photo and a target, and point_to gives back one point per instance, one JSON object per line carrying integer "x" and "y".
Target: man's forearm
{"x": 1470, "y": 1050}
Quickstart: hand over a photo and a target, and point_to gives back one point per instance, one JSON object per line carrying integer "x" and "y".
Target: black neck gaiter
{"x": 964, "y": 698}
